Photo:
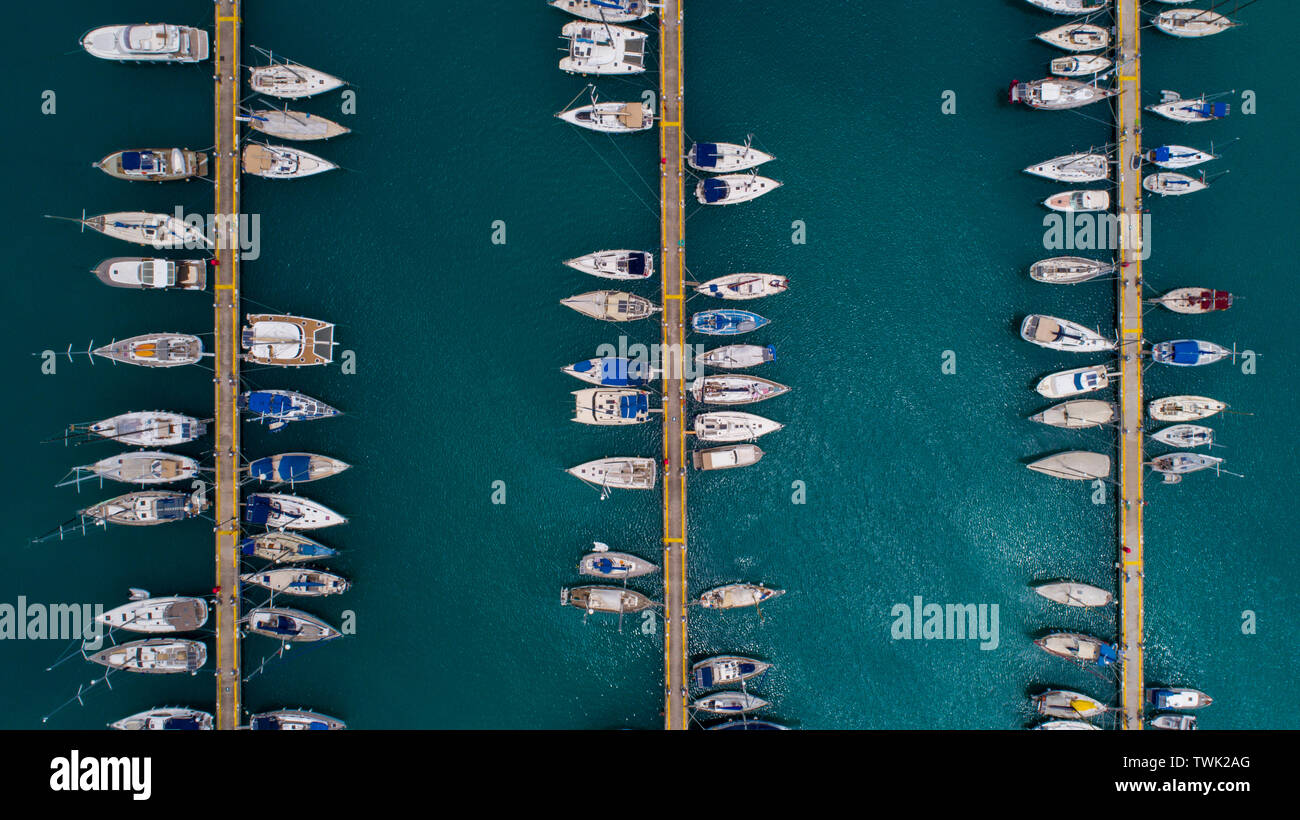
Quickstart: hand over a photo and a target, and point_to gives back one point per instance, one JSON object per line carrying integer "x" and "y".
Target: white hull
{"x": 736, "y": 356}
{"x": 290, "y": 81}
{"x": 1184, "y": 408}
{"x": 611, "y": 117}
{"x": 281, "y": 162}
{"x": 618, "y": 473}
{"x": 297, "y": 581}
{"x": 295, "y": 125}
{"x": 1195, "y": 301}
{"x": 1167, "y": 183}
{"x": 626, "y": 11}
{"x": 730, "y": 388}
{"x": 619, "y": 264}
{"x": 1079, "y": 65}
{"x": 1058, "y": 93}
{"x": 145, "y": 467}
{"x": 1070, "y": 6}
{"x": 148, "y": 428}
{"x": 1069, "y": 270}
{"x": 728, "y": 457}
{"x": 1078, "y": 201}
{"x": 155, "y": 230}
{"x": 1075, "y": 465}
{"x": 1195, "y": 110}
{"x": 725, "y": 157}
{"x": 1191, "y": 22}
{"x": 1079, "y": 414}
{"x": 596, "y": 48}
{"x": 1076, "y": 37}
{"x": 611, "y": 305}
{"x": 1185, "y": 435}
{"x": 732, "y": 427}
{"x": 1073, "y": 168}
{"x": 742, "y": 286}
{"x": 730, "y": 189}
{"x": 611, "y": 406}
{"x": 1074, "y": 382}
{"x": 147, "y": 43}
{"x": 290, "y": 512}
{"x": 1072, "y": 593}
{"x": 158, "y": 719}
{"x": 1177, "y": 156}
{"x": 1060, "y": 334}
{"x": 158, "y": 616}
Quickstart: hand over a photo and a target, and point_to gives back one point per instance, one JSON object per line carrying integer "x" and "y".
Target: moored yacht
{"x": 1174, "y": 465}
{"x": 1079, "y": 201}
{"x": 154, "y": 350}
{"x": 287, "y": 341}
{"x": 1168, "y": 183}
{"x": 282, "y": 162}
{"x": 1185, "y": 435}
{"x": 1195, "y": 300}
{"x": 1083, "y": 167}
{"x": 289, "y": 512}
{"x": 729, "y": 703}
{"x": 294, "y": 125}
{"x": 611, "y": 117}
{"x": 1076, "y": 37}
{"x": 297, "y": 581}
{"x": 1057, "y": 93}
{"x": 1067, "y": 725}
{"x": 1191, "y": 22}
{"x": 1078, "y": 647}
{"x": 604, "y": 599}
{"x": 1079, "y": 414}
{"x": 147, "y": 43}
{"x": 726, "y": 670}
{"x": 732, "y": 426}
{"x": 290, "y": 81}
{"x": 1071, "y": 6}
{"x": 1074, "y": 382}
{"x": 157, "y": 615}
{"x": 152, "y": 274}
{"x": 611, "y": 371}
{"x": 743, "y": 286}
{"x": 733, "y": 388}
{"x": 294, "y": 720}
{"x": 1188, "y": 352}
{"x": 1069, "y": 270}
{"x": 143, "y": 467}
{"x": 277, "y": 408}
{"x": 725, "y": 157}
{"x": 1079, "y": 65}
{"x": 600, "y": 48}
{"x": 735, "y": 356}
{"x": 605, "y": 11}
{"x": 1063, "y": 703}
{"x": 1072, "y": 593}
{"x": 726, "y": 322}
{"x": 605, "y": 564}
{"x": 1177, "y": 697}
{"x": 295, "y": 468}
{"x": 735, "y": 596}
{"x": 283, "y": 548}
{"x": 1184, "y": 408}
{"x": 611, "y": 406}
{"x": 620, "y": 264}
{"x": 1060, "y": 334}
{"x": 166, "y": 718}
{"x": 729, "y": 189}
{"x": 286, "y": 624}
{"x": 1171, "y": 721}
{"x": 154, "y": 656}
{"x": 1074, "y": 465}
{"x": 147, "y": 428}
{"x": 146, "y": 508}
{"x": 1177, "y": 156}
{"x": 155, "y": 164}
{"x": 612, "y": 305}
{"x": 619, "y": 473}
{"x": 1172, "y": 106}
{"x": 142, "y": 228}
{"x": 727, "y": 457}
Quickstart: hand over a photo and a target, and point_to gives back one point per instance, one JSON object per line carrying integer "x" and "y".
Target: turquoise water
{"x": 919, "y": 229}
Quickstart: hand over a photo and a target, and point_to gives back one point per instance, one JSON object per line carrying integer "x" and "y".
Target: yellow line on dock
{"x": 1130, "y": 499}
{"x": 226, "y": 362}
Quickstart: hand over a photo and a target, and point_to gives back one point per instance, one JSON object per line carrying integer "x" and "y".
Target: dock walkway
{"x": 673, "y": 267}
{"x": 226, "y": 70}
{"x": 1128, "y": 139}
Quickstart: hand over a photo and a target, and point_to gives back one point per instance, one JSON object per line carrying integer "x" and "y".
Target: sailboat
{"x": 1184, "y": 408}
{"x": 728, "y": 426}
{"x": 611, "y": 406}
{"x": 729, "y": 703}
{"x": 611, "y": 117}
{"x": 726, "y": 322}
{"x": 1174, "y": 465}
{"x": 605, "y": 564}
{"x": 1191, "y": 22}
{"x": 1079, "y": 201}
{"x": 147, "y": 508}
{"x": 297, "y": 581}
{"x": 619, "y": 264}
{"x": 166, "y": 718}
{"x": 1078, "y": 647}
{"x": 290, "y": 81}
{"x": 726, "y": 670}
{"x": 154, "y": 656}
{"x": 155, "y": 164}
{"x": 1168, "y": 183}
{"x": 157, "y": 615}
{"x": 611, "y": 371}
{"x": 1185, "y": 435}
{"x": 1063, "y": 703}
{"x": 1083, "y": 167}
{"x": 726, "y": 458}
{"x": 725, "y": 157}
{"x": 1079, "y": 65}
{"x": 1177, "y": 156}
{"x": 1079, "y": 414}
{"x": 609, "y": 11}
{"x": 289, "y": 512}
{"x": 743, "y": 286}
{"x": 143, "y": 228}
{"x": 146, "y": 428}
{"x": 620, "y": 473}
{"x": 154, "y": 350}
{"x": 141, "y": 467}
{"x": 1173, "y": 107}
{"x": 1074, "y": 465}
{"x": 277, "y": 408}
{"x": 287, "y": 341}
{"x": 604, "y": 599}
{"x": 1184, "y": 722}
{"x": 1072, "y": 593}
{"x": 282, "y": 162}
{"x": 294, "y": 125}
{"x": 1195, "y": 300}
{"x": 1060, "y": 334}
{"x": 295, "y": 720}
{"x": 612, "y": 305}
{"x": 295, "y": 468}
{"x": 735, "y": 596}
{"x": 286, "y": 624}
{"x": 1076, "y": 37}
{"x": 736, "y": 356}
{"x": 729, "y": 189}
{"x": 281, "y": 547}
{"x": 1177, "y": 697}
{"x": 1071, "y": 6}
{"x": 1188, "y": 352}
{"x": 1057, "y": 93}
{"x": 1069, "y": 270}
{"x": 600, "y": 48}
{"x": 734, "y": 388}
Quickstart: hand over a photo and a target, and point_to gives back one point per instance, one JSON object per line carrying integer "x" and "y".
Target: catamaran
{"x": 605, "y": 599}
{"x": 734, "y": 356}
{"x": 155, "y": 164}
{"x": 608, "y": 11}
{"x": 1177, "y": 697}
{"x": 726, "y": 458}
{"x": 1074, "y": 382}
{"x": 294, "y": 125}
{"x": 729, "y": 189}
{"x": 277, "y": 408}
{"x": 146, "y": 428}
{"x": 620, "y": 264}
{"x": 1078, "y": 647}
{"x": 157, "y": 615}
{"x": 146, "y": 508}
{"x": 1177, "y": 156}
{"x": 141, "y": 467}
{"x": 1060, "y": 334}
{"x": 605, "y": 564}
{"x": 1072, "y": 593}
{"x": 726, "y": 670}
{"x": 1168, "y": 183}
{"x": 1079, "y": 65}
{"x": 1185, "y": 435}
{"x": 743, "y": 286}
{"x": 1078, "y": 414}
{"x": 735, "y": 596}
{"x": 725, "y": 157}
{"x": 152, "y": 274}
{"x": 731, "y": 388}
{"x": 1191, "y": 22}
{"x": 1184, "y": 408}
{"x": 1195, "y": 300}
{"x": 1069, "y": 270}
{"x": 283, "y": 548}
{"x": 295, "y": 720}
{"x": 1076, "y": 37}
{"x": 282, "y": 162}
{"x": 1063, "y": 703}
{"x": 290, "y": 81}
{"x": 286, "y": 624}
{"x": 1172, "y": 106}
{"x": 599, "y": 48}
{"x": 156, "y": 230}
{"x": 1074, "y": 465}
{"x": 611, "y": 406}
{"x": 1078, "y": 201}
{"x": 147, "y": 43}
{"x": 611, "y": 117}
{"x": 620, "y": 473}
{"x": 1083, "y": 167}
{"x": 612, "y": 305}
{"x": 729, "y": 426}
{"x": 154, "y": 350}
{"x": 287, "y": 341}
{"x": 166, "y": 718}
{"x": 1057, "y": 94}
{"x": 154, "y": 656}
{"x": 729, "y": 703}
{"x": 295, "y": 581}
{"x": 289, "y": 512}
{"x": 1188, "y": 352}
{"x": 726, "y": 322}
{"x": 295, "y": 468}
{"x": 611, "y": 371}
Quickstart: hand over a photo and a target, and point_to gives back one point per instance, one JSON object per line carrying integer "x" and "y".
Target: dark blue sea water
{"x": 919, "y": 229}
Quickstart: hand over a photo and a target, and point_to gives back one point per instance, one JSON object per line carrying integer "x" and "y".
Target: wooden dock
{"x": 1128, "y": 139}
{"x": 226, "y": 70}
{"x": 673, "y": 268}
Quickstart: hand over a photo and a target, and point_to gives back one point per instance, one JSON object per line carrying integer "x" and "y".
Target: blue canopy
{"x": 1185, "y": 352}
{"x": 137, "y": 161}
{"x": 1107, "y": 655}
{"x": 706, "y": 154}
{"x": 1161, "y": 154}
{"x": 269, "y": 402}
{"x": 615, "y": 371}
{"x": 629, "y": 407}
{"x": 715, "y": 190}
{"x": 181, "y": 723}
{"x": 258, "y": 509}
{"x": 1213, "y": 110}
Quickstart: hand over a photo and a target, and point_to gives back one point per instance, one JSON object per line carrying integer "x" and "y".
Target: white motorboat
{"x": 1069, "y": 270}
{"x": 620, "y": 264}
{"x": 1172, "y": 721}
{"x": 295, "y": 720}
{"x": 1071, "y": 6}
{"x": 157, "y": 230}
{"x": 611, "y": 117}
{"x": 282, "y": 162}
{"x": 152, "y": 274}
{"x": 289, "y": 512}
{"x": 294, "y": 125}
{"x": 734, "y": 388}
{"x": 147, "y": 43}
{"x": 1184, "y": 435}
{"x": 737, "y": 356}
{"x": 741, "y": 286}
{"x": 1177, "y": 697}
{"x": 1078, "y": 201}
{"x": 1074, "y": 382}
{"x": 1079, "y": 414}
{"x": 1191, "y": 22}
{"x": 725, "y": 157}
{"x": 1079, "y": 65}
{"x": 1061, "y": 334}
{"x": 1074, "y": 465}
{"x": 1168, "y": 183}
{"x": 291, "y": 81}
{"x": 1177, "y": 156}
{"x": 1184, "y": 408}
{"x": 600, "y": 48}
{"x": 1057, "y": 93}
{"x": 611, "y": 406}
{"x": 729, "y": 189}
{"x": 1173, "y": 107}
{"x": 1077, "y": 37}
{"x": 727, "y": 457}
{"x": 620, "y": 473}
{"x": 606, "y": 11}
{"x": 612, "y": 305}
{"x": 1084, "y": 167}
{"x": 729, "y": 426}
{"x": 1072, "y": 593}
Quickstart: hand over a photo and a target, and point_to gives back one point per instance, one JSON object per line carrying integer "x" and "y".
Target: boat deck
{"x": 673, "y": 213}
{"x": 226, "y": 362}
{"x": 1128, "y": 120}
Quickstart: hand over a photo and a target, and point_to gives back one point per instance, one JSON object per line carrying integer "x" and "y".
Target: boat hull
{"x": 615, "y": 565}
{"x": 154, "y": 656}
{"x": 1078, "y": 415}
{"x": 1184, "y": 408}
{"x": 1069, "y": 270}
{"x": 295, "y": 125}
{"x": 290, "y": 81}
{"x": 1075, "y": 465}
{"x": 133, "y": 166}
{"x": 726, "y": 458}
{"x": 290, "y": 625}
{"x": 611, "y": 117}
{"x": 730, "y": 189}
{"x": 731, "y": 426}
{"x": 1074, "y": 382}
{"x": 737, "y": 356}
{"x": 1071, "y": 593}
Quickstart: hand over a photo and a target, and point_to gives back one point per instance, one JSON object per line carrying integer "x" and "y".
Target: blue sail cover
{"x": 726, "y": 322}
{"x": 1215, "y": 111}
{"x": 715, "y": 190}
{"x": 1106, "y": 655}
{"x": 171, "y": 508}
{"x": 1161, "y": 154}
{"x": 630, "y": 407}
{"x": 265, "y": 722}
{"x": 269, "y": 403}
{"x": 258, "y": 509}
{"x": 615, "y": 371}
{"x": 1185, "y": 352}
{"x": 706, "y": 154}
